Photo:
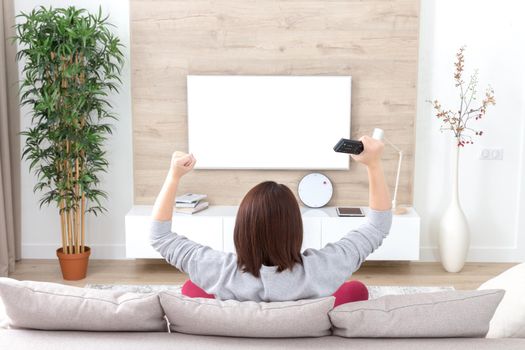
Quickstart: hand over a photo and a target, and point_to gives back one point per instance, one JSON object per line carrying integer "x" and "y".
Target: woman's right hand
{"x": 371, "y": 155}
{"x": 181, "y": 164}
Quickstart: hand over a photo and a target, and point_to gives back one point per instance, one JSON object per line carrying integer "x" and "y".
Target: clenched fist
{"x": 181, "y": 164}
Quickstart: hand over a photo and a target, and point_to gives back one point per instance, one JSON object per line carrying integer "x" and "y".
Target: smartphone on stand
{"x": 349, "y": 211}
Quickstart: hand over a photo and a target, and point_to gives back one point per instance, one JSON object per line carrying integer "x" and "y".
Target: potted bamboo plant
{"x": 71, "y": 60}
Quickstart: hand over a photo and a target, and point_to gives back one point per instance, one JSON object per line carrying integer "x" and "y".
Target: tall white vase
{"x": 454, "y": 235}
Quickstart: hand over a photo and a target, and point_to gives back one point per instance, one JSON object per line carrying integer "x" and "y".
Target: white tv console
{"x": 214, "y": 227}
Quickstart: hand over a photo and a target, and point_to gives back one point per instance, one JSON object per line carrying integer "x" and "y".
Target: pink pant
{"x": 348, "y": 292}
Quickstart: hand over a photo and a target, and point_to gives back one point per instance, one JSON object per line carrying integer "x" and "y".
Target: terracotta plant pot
{"x": 74, "y": 266}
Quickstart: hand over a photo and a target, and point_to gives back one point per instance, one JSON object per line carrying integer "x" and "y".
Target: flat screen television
{"x": 268, "y": 122}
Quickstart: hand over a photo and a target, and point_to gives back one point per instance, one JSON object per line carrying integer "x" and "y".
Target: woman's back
{"x": 320, "y": 274}
{"x": 269, "y": 265}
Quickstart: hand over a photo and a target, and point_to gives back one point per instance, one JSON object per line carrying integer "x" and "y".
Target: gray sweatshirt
{"x": 321, "y": 274}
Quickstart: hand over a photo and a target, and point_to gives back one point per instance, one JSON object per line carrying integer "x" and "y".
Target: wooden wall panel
{"x": 375, "y": 41}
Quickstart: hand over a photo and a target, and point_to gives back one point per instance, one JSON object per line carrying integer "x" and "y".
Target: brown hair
{"x": 268, "y": 229}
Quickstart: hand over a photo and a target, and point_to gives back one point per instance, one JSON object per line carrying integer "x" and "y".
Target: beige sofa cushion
{"x": 51, "y": 306}
{"x": 424, "y": 315}
{"x": 509, "y": 318}
{"x": 302, "y": 318}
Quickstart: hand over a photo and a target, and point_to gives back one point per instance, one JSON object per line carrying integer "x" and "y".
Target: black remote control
{"x": 349, "y": 146}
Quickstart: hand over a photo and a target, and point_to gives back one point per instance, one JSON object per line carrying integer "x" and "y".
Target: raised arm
{"x": 200, "y": 262}
{"x": 379, "y": 195}
{"x": 181, "y": 164}
{"x": 368, "y": 237}
{"x": 177, "y": 250}
{"x": 345, "y": 256}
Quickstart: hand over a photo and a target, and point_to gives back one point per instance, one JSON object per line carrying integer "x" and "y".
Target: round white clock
{"x": 315, "y": 190}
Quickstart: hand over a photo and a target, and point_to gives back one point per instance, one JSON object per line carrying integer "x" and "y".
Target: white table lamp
{"x": 379, "y": 134}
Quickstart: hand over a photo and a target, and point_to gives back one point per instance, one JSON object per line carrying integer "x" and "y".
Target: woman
{"x": 269, "y": 265}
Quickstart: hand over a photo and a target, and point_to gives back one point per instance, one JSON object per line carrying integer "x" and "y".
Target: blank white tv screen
{"x": 268, "y": 122}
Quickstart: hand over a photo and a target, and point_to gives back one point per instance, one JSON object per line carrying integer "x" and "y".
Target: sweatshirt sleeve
{"x": 203, "y": 264}
{"x": 338, "y": 260}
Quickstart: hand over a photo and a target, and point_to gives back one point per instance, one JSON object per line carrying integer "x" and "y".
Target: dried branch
{"x": 458, "y": 122}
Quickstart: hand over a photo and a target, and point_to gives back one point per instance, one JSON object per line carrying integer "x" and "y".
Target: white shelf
{"x": 214, "y": 227}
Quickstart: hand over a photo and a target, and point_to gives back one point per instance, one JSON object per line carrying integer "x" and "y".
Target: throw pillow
{"x": 432, "y": 315}
{"x": 302, "y": 318}
{"x": 52, "y": 306}
{"x": 509, "y": 318}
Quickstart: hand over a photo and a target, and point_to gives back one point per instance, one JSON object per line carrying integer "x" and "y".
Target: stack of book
{"x": 190, "y": 203}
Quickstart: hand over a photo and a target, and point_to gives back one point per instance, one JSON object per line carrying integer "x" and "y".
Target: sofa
{"x": 51, "y": 316}
{"x": 15, "y": 339}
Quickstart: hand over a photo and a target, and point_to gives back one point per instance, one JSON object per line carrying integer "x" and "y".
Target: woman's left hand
{"x": 181, "y": 164}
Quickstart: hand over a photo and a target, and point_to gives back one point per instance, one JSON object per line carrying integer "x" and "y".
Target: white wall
{"x": 491, "y": 192}
{"x": 105, "y": 233}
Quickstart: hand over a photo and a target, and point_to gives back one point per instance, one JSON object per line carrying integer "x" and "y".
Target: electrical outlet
{"x": 491, "y": 154}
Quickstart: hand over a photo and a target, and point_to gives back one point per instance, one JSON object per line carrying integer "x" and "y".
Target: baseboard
{"x": 98, "y": 251}
{"x": 479, "y": 254}
{"x": 118, "y": 251}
